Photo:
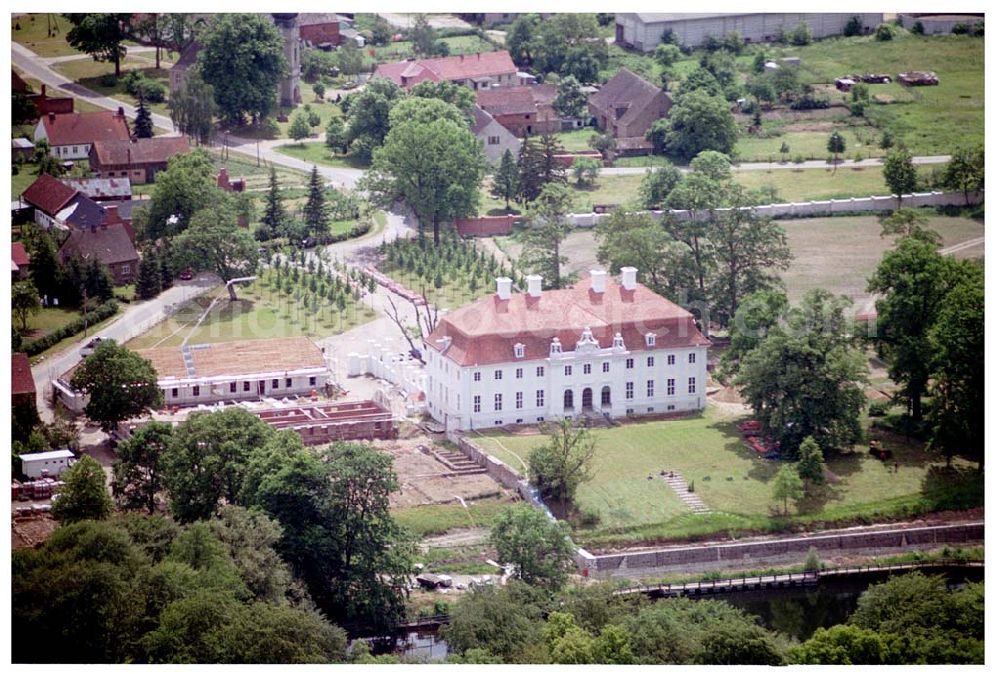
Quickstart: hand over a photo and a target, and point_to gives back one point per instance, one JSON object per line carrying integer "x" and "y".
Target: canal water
{"x": 795, "y": 611}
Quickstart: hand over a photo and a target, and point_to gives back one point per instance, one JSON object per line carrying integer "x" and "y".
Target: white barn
{"x": 600, "y": 347}
{"x": 642, "y": 31}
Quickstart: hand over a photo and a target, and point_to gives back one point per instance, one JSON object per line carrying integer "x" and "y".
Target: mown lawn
{"x": 316, "y": 152}
{"x": 49, "y": 319}
{"x": 459, "y": 44}
{"x": 31, "y": 30}
{"x": 634, "y": 502}
{"x": 819, "y": 184}
{"x": 260, "y": 313}
{"x": 429, "y": 520}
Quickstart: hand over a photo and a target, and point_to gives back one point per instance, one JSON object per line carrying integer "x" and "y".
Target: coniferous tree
{"x": 149, "y": 280}
{"x": 143, "y": 121}
{"x": 316, "y": 212}
{"x": 166, "y": 267}
{"x": 506, "y": 179}
{"x": 274, "y": 212}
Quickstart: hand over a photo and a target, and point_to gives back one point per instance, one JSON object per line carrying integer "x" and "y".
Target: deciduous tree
{"x": 561, "y": 465}
{"x": 246, "y": 78}
{"x": 656, "y": 185}
{"x": 966, "y": 170}
{"x": 811, "y": 466}
{"x": 298, "y": 130}
{"x": 84, "y": 495}
{"x": 138, "y": 472}
{"x": 627, "y": 239}
{"x": 570, "y": 101}
{"x": 187, "y": 186}
{"x": 120, "y": 384}
{"x": 100, "y": 35}
{"x": 214, "y": 242}
{"x": 193, "y": 108}
{"x": 542, "y": 240}
{"x": 24, "y": 302}
{"x": 836, "y": 145}
{"x": 899, "y": 172}
{"x": 786, "y": 485}
{"x": 538, "y": 547}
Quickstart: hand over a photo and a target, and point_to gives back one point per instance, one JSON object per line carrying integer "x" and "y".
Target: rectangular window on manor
{"x": 246, "y": 386}
{"x": 649, "y": 388}
{"x": 670, "y": 387}
{"x": 568, "y": 370}
{"x": 670, "y": 359}
{"x": 519, "y": 400}
{"x": 232, "y": 387}
{"x": 629, "y": 390}
{"x": 497, "y": 402}
{"x": 691, "y": 357}
{"x": 498, "y": 374}
{"x": 629, "y": 363}
{"x": 649, "y": 361}
{"x": 692, "y": 387}
{"x": 540, "y": 398}
{"x": 539, "y": 371}
{"x": 476, "y": 404}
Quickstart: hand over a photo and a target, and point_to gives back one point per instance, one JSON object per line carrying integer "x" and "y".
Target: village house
{"x": 240, "y": 370}
{"x": 643, "y": 31}
{"x": 138, "y": 160}
{"x": 600, "y": 347}
{"x": 20, "y": 262}
{"x": 58, "y": 203}
{"x": 626, "y": 106}
{"x": 71, "y": 136}
{"x": 179, "y": 71}
{"x": 476, "y": 71}
{"x": 110, "y": 244}
{"x": 101, "y": 189}
{"x": 522, "y": 110}
{"x": 322, "y": 30}
{"x": 495, "y": 138}
{"x": 22, "y": 383}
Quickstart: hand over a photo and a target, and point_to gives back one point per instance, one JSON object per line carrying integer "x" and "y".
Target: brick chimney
{"x": 52, "y": 116}
{"x": 43, "y": 91}
{"x": 121, "y": 112}
{"x": 223, "y": 180}
{"x": 503, "y": 288}
{"x": 110, "y": 214}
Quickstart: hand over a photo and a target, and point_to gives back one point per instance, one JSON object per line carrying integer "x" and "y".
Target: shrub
{"x": 918, "y": 28}
{"x": 106, "y": 310}
{"x": 108, "y": 80}
{"x": 801, "y": 35}
{"x": 809, "y": 101}
{"x": 883, "y": 33}
{"x": 812, "y": 562}
{"x": 853, "y": 26}
{"x": 154, "y": 92}
{"x": 589, "y": 518}
{"x": 960, "y": 29}
{"x": 879, "y": 408}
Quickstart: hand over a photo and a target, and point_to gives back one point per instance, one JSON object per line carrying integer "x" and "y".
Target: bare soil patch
{"x": 31, "y": 532}
{"x": 423, "y": 480}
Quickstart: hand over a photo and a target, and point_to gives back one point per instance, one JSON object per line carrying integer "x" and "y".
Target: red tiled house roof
{"x": 48, "y": 194}
{"x": 142, "y": 151}
{"x": 451, "y": 68}
{"x": 506, "y": 100}
{"x": 21, "y": 381}
{"x": 486, "y": 331}
{"x": 18, "y": 255}
{"x": 83, "y": 128}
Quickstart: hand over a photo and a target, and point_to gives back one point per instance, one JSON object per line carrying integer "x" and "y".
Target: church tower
{"x": 288, "y": 91}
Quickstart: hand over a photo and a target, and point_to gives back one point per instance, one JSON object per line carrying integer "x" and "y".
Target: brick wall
{"x": 489, "y": 225}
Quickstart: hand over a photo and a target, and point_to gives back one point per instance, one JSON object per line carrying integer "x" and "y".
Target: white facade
{"x": 208, "y": 390}
{"x": 578, "y": 379}
{"x": 54, "y": 463}
{"x": 63, "y": 152}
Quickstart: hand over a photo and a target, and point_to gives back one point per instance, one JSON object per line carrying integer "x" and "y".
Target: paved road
{"x": 37, "y": 67}
{"x": 135, "y": 320}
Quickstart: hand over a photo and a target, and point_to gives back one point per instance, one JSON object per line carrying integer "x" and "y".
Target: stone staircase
{"x": 690, "y": 499}
{"x": 456, "y": 462}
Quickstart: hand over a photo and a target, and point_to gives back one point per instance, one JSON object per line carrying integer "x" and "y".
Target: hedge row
{"x": 357, "y": 230}
{"x": 106, "y": 310}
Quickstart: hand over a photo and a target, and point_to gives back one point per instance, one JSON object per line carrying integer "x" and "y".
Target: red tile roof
{"x": 487, "y": 330}
{"x": 48, "y": 194}
{"x": 81, "y": 128}
{"x": 21, "y": 381}
{"x": 506, "y": 100}
{"x": 18, "y": 255}
{"x": 142, "y": 151}
{"x": 462, "y": 67}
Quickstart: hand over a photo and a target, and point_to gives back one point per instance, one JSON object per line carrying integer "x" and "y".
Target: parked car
{"x": 186, "y": 275}
{"x": 90, "y": 346}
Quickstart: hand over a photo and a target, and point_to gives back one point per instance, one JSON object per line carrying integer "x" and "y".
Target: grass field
{"x": 317, "y": 153}
{"x": 89, "y": 73}
{"x": 576, "y": 140}
{"x": 731, "y": 480}
{"x": 930, "y": 120}
{"x": 839, "y": 254}
{"x": 460, "y": 44}
{"x": 429, "y": 520}
{"x": 33, "y": 34}
{"x": 49, "y": 319}
{"x": 261, "y": 313}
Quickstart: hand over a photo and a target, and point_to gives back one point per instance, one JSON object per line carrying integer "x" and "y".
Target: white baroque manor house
{"x": 600, "y": 346}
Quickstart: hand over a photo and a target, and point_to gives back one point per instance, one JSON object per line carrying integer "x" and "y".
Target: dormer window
{"x": 618, "y": 342}
{"x": 555, "y": 347}
{"x": 650, "y": 339}
{"x": 519, "y": 351}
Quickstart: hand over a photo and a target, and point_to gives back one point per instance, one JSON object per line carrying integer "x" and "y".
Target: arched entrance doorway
{"x": 588, "y": 399}
{"x": 568, "y": 399}
{"x": 606, "y": 396}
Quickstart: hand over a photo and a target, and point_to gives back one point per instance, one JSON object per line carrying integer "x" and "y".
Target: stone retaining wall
{"x": 730, "y": 554}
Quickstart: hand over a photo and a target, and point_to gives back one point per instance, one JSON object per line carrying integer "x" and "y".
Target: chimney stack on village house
{"x": 121, "y": 112}
{"x": 628, "y": 278}
{"x": 597, "y": 280}
{"x": 503, "y": 288}
{"x": 534, "y": 285}
{"x": 52, "y": 116}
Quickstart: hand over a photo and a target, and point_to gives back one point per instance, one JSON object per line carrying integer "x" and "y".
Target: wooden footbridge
{"x": 800, "y": 579}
